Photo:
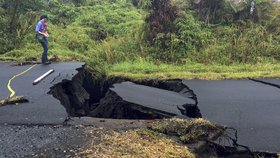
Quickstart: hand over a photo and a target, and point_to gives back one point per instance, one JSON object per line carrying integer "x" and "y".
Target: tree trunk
{"x": 14, "y": 15}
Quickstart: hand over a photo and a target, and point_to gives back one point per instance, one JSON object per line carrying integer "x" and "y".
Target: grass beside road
{"x": 157, "y": 140}
{"x": 137, "y": 143}
{"x": 149, "y": 70}
{"x": 145, "y": 69}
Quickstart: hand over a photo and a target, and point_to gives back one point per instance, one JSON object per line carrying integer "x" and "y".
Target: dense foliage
{"x": 103, "y": 32}
{"x": 16, "y": 19}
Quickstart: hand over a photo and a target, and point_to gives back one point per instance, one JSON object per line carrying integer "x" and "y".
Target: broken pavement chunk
{"x": 13, "y": 100}
{"x": 130, "y": 101}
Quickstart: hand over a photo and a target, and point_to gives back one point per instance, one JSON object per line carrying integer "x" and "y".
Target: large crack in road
{"x": 123, "y": 99}
{"x": 249, "y": 107}
{"x": 226, "y": 103}
{"x": 270, "y": 82}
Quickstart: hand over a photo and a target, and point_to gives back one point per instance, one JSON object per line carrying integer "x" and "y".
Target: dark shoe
{"x": 47, "y": 63}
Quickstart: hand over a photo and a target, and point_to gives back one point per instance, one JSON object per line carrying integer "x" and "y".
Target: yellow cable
{"x": 9, "y": 83}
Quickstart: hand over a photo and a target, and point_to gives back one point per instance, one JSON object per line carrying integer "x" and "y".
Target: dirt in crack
{"x": 121, "y": 98}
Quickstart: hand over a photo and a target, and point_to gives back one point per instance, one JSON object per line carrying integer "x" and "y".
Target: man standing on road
{"x": 42, "y": 36}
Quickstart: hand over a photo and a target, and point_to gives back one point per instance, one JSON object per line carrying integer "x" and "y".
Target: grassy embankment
{"x": 110, "y": 37}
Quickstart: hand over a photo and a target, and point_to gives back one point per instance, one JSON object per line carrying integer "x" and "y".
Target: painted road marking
{"x": 10, "y": 81}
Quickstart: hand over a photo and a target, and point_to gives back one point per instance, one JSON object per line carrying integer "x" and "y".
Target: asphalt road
{"x": 41, "y": 108}
{"x": 47, "y": 141}
{"x": 250, "y": 107}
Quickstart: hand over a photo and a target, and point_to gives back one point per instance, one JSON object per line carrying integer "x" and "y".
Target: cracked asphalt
{"x": 152, "y": 98}
{"x": 252, "y": 108}
{"x": 35, "y": 129}
{"x": 41, "y": 108}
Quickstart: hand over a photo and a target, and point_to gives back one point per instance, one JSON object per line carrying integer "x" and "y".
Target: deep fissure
{"x": 264, "y": 82}
{"x": 231, "y": 148}
{"x": 86, "y": 96}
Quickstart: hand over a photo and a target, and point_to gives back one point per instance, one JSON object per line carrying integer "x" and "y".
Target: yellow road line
{"x": 9, "y": 83}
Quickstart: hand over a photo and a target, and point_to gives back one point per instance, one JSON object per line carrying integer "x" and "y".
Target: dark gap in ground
{"x": 216, "y": 150}
{"x": 226, "y": 146}
{"x": 87, "y": 96}
{"x": 264, "y": 82}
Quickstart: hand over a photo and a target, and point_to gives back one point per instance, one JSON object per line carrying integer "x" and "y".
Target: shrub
{"x": 112, "y": 20}
{"x": 62, "y": 14}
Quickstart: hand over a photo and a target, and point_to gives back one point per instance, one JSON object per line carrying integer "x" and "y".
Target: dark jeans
{"x": 44, "y": 43}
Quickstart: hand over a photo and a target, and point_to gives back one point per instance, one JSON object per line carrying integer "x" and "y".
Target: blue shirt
{"x": 39, "y": 26}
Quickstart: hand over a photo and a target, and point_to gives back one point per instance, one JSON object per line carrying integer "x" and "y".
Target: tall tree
{"x": 16, "y": 9}
{"x": 16, "y": 18}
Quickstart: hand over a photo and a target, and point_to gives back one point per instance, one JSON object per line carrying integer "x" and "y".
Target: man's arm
{"x": 44, "y": 34}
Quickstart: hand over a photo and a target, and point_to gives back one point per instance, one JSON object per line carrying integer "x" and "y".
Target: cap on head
{"x": 43, "y": 17}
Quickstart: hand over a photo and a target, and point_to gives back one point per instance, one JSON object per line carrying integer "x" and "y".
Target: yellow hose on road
{"x": 9, "y": 83}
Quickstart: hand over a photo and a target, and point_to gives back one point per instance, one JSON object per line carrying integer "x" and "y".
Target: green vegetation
{"x": 156, "y": 140}
{"x": 189, "y": 131}
{"x": 142, "y": 69}
{"x": 146, "y": 38}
